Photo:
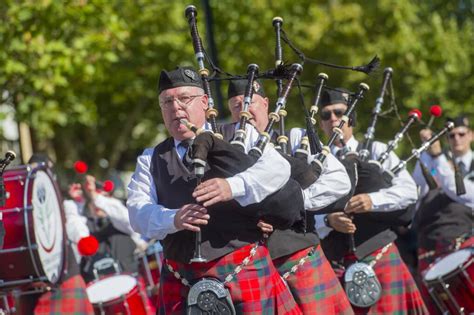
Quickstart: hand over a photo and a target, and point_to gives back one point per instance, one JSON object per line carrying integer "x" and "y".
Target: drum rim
{"x": 453, "y": 272}
{"x": 28, "y": 173}
{"x": 121, "y": 297}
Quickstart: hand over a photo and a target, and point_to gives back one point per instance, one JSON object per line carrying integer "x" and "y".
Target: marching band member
{"x": 314, "y": 285}
{"x": 164, "y": 204}
{"x": 105, "y": 218}
{"x": 399, "y": 293}
{"x": 444, "y": 219}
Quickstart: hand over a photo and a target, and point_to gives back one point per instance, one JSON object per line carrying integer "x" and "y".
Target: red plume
{"x": 88, "y": 245}
{"x": 108, "y": 186}
{"x": 436, "y": 110}
{"x": 415, "y": 112}
{"x": 80, "y": 167}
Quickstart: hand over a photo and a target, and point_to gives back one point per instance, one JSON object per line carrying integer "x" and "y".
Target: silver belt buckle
{"x": 209, "y": 296}
{"x": 361, "y": 284}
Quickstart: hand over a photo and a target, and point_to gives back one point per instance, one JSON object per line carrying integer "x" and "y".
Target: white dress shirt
{"x": 443, "y": 173}
{"x": 153, "y": 220}
{"x": 332, "y": 184}
{"x": 400, "y": 195}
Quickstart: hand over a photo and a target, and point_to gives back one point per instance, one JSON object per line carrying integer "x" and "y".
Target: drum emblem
{"x": 46, "y": 219}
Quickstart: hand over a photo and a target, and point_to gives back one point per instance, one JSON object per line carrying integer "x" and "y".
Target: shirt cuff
{"x": 321, "y": 227}
{"x": 167, "y": 220}
{"x": 237, "y": 186}
{"x": 101, "y": 202}
{"x": 377, "y": 201}
{"x": 307, "y": 200}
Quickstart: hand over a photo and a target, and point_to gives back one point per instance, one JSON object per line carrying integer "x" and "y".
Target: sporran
{"x": 361, "y": 284}
{"x": 209, "y": 296}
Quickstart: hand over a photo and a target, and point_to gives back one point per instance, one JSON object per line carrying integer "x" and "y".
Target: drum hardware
{"x": 14, "y": 283}
{"x": 104, "y": 264}
{"x": 361, "y": 284}
{"x": 18, "y": 249}
{"x": 16, "y": 209}
{"x": 449, "y": 282}
{"x": 7, "y": 306}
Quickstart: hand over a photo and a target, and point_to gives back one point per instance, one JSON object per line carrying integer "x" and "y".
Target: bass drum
{"x": 35, "y": 242}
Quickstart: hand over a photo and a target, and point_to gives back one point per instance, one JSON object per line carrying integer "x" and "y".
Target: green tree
{"x": 83, "y": 74}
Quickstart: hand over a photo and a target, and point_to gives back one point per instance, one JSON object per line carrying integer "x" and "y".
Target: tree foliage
{"x": 83, "y": 74}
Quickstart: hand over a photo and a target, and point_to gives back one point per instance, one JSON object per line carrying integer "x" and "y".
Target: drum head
{"x": 110, "y": 288}
{"x": 48, "y": 227}
{"x": 448, "y": 264}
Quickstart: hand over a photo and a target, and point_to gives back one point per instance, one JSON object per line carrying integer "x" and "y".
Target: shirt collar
{"x": 466, "y": 159}
{"x": 351, "y": 144}
{"x": 206, "y": 126}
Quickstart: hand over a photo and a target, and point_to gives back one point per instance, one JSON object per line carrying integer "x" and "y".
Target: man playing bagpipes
{"x": 313, "y": 282}
{"x": 368, "y": 263}
{"x": 165, "y": 204}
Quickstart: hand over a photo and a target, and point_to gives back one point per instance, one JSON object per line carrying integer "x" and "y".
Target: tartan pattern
{"x": 257, "y": 289}
{"x": 69, "y": 298}
{"x": 314, "y": 286}
{"x": 400, "y": 295}
{"x": 423, "y": 264}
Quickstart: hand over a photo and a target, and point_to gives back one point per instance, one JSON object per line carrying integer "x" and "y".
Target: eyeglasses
{"x": 326, "y": 114}
{"x": 454, "y": 134}
{"x": 184, "y": 101}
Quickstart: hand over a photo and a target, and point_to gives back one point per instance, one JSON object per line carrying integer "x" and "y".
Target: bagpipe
{"x": 213, "y": 157}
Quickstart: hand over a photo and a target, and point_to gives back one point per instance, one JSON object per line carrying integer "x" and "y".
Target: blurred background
{"x": 78, "y": 79}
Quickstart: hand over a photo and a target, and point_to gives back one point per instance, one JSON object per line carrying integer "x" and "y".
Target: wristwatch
{"x": 326, "y": 221}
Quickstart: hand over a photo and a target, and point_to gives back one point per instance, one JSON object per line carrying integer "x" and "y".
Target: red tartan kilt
{"x": 69, "y": 298}
{"x": 257, "y": 289}
{"x": 400, "y": 295}
{"x": 314, "y": 286}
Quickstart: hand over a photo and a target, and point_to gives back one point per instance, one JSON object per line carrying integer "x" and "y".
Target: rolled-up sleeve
{"x": 401, "y": 193}
{"x": 267, "y": 175}
{"x": 332, "y": 184}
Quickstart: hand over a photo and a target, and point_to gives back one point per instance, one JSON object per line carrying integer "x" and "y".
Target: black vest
{"x": 227, "y": 229}
{"x": 283, "y": 242}
{"x": 373, "y": 229}
{"x": 440, "y": 220}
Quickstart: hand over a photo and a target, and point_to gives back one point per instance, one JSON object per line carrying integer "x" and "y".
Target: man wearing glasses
{"x": 444, "y": 219}
{"x": 375, "y": 243}
{"x": 165, "y": 204}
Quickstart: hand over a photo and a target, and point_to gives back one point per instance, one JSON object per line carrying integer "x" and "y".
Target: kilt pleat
{"x": 257, "y": 289}
{"x": 69, "y": 298}
{"x": 314, "y": 285}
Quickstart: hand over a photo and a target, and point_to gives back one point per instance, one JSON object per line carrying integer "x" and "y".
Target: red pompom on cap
{"x": 108, "y": 186}
{"x": 88, "y": 245}
{"x": 415, "y": 112}
{"x": 80, "y": 167}
{"x": 436, "y": 110}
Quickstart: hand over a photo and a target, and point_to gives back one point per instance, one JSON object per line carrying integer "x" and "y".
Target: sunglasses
{"x": 326, "y": 114}
{"x": 454, "y": 134}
